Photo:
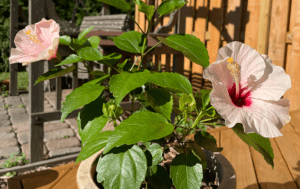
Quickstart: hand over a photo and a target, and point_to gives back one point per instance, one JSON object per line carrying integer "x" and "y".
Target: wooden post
{"x": 58, "y": 93}
{"x": 75, "y": 77}
{"x": 13, "y": 68}
{"x": 104, "y": 9}
{"x": 264, "y": 26}
{"x": 36, "y": 92}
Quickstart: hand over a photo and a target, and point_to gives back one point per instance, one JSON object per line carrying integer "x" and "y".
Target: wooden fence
{"x": 271, "y": 27}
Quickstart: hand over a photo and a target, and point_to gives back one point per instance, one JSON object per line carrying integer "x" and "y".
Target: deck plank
{"x": 69, "y": 180}
{"x": 238, "y": 154}
{"x": 279, "y": 177}
{"x": 295, "y": 121}
{"x": 45, "y": 179}
{"x": 290, "y": 149}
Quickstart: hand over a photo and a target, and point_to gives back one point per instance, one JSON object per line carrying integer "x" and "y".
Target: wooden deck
{"x": 252, "y": 172}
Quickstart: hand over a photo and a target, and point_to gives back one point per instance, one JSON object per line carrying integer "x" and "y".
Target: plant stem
{"x": 152, "y": 47}
{"x": 136, "y": 23}
{"x": 200, "y": 115}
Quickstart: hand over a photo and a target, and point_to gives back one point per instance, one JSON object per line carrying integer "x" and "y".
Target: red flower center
{"x": 241, "y": 99}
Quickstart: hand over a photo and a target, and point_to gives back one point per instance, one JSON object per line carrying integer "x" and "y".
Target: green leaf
{"x": 73, "y": 58}
{"x": 211, "y": 112}
{"x": 121, "y": 65}
{"x": 191, "y": 47}
{"x": 147, "y": 9}
{"x": 207, "y": 141}
{"x": 197, "y": 150}
{"x": 80, "y": 97}
{"x": 131, "y": 41}
{"x": 205, "y": 97}
{"x": 93, "y": 146}
{"x": 65, "y": 40}
{"x": 142, "y": 126}
{"x": 125, "y": 167}
{"x": 171, "y": 81}
{"x": 186, "y": 171}
{"x": 158, "y": 178}
{"x": 90, "y": 54}
{"x": 98, "y": 80}
{"x": 92, "y": 129}
{"x": 110, "y": 59}
{"x": 168, "y": 6}
{"x": 120, "y": 4}
{"x": 54, "y": 74}
{"x": 258, "y": 142}
{"x": 82, "y": 34}
{"x": 161, "y": 101}
{"x": 187, "y": 103}
{"x": 94, "y": 41}
{"x": 122, "y": 84}
{"x": 156, "y": 153}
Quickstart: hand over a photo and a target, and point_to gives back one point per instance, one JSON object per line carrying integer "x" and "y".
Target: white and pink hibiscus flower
{"x": 36, "y": 42}
{"x": 247, "y": 89}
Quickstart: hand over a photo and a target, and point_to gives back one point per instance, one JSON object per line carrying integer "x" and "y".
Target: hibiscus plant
{"x": 247, "y": 88}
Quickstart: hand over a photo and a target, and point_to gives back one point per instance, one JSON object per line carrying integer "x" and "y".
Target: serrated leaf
{"x": 161, "y": 101}
{"x": 191, "y": 47}
{"x": 171, "y": 81}
{"x": 156, "y": 153}
{"x": 168, "y": 6}
{"x": 147, "y": 9}
{"x": 206, "y": 141}
{"x": 186, "y": 171}
{"x": 80, "y": 97}
{"x": 93, "y": 146}
{"x": 258, "y": 142}
{"x": 211, "y": 112}
{"x": 83, "y": 34}
{"x": 92, "y": 129}
{"x": 90, "y": 54}
{"x": 122, "y": 84}
{"x": 197, "y": 150}
{"x": 131, "y": 41}
{"x": 158, "y": 178}
{"x": 73, "y": 58}
{"x": 94, "y": 41}
{"x": 98, "y": 80}
{"x": 125, "y": 167}
{"x": 140, "y": 127}
{"x": 120, "y": 4}
{"x": 110, "y": 59}
{"x": 54, "y": 74}
{"x": 65, "y": 40}
{"x": 205, "y": 97}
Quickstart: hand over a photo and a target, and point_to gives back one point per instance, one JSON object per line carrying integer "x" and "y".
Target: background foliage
{"x": 64, "y": 9}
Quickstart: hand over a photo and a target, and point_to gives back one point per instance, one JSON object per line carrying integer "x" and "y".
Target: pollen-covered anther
{"x": 233, "y": 67}
{"x": 33, "y": 38}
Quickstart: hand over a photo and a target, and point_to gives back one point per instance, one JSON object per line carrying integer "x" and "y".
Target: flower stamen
{"x": 233, "y": 67}
{"x": 34, "y": 38}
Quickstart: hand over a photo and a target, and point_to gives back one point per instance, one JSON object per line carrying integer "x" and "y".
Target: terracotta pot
{"x": 224, "y": 169}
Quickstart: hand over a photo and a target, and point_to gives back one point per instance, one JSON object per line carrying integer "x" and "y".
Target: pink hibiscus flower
{"x": 247, "y": 88}
{"x": 36, "y": 42}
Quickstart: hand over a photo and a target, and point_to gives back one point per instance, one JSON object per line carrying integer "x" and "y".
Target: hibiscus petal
{"x": 218, "y": 72}
{"x": 46, "y": 31}
{"x": 18, "y": 56}
{"x": 273, "y": 84}
{"x": 250, "y": 61}
{"x": 266, "y": 117}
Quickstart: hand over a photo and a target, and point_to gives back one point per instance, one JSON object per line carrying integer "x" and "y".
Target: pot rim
{"x": 86, "y": 171}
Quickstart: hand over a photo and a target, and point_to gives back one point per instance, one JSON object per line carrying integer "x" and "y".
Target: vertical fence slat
{"x": 13, "y": 82}
{"x": 289, "y": 46}
{"x": 214, "y": 28}
{"x": 36, "y": 92}
{"x": 199, "y": 32}
{"x": 58, "y": 93}
{"x": 136, "y": 15}
{"x": 294, "y": 65}
{"x": 264, "y": 26}
{"x": 278, "y": 28}
{"x": 251, "y": 30}
{"x": 232, "y": 21}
